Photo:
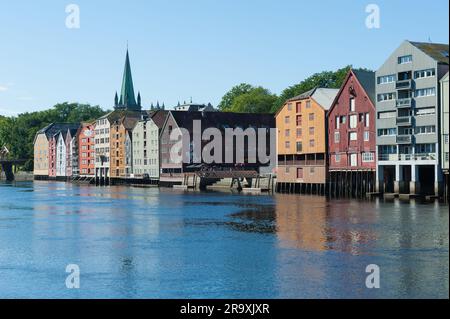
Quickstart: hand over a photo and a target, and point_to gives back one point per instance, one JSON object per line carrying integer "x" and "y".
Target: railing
{"x": 302, "y": 163}
{"x": 404, "y": 120}
{"x": 404, "y": 102}
{"x": 403, "y": 85}
{"x": 407, "y": 157}
{"x": 404, "y": 139}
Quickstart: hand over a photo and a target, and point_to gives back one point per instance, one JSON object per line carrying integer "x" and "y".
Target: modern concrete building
{"x": 352, "y": 137}
{"x": 445, "y": 131}
{"x": 146, "y": 144}
{"x": 302, "y": 142}
{"x": 407, "y": 120}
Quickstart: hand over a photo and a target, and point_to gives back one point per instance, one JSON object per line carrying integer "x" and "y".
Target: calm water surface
{"x": 150, "y": 243}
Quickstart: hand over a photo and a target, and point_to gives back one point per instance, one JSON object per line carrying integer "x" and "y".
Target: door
{"x": 353, "y": 160}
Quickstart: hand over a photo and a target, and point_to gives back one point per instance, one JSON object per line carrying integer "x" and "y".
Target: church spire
{"x": 127, "y": 98}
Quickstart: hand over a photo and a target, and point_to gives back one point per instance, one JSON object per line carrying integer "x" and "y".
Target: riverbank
{"x": 19, "y": 176}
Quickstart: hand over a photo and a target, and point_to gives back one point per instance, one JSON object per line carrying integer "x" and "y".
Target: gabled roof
{"x": 323, "y": 96}
{"x": 367, "y": 81}
{"x": 445, "y": 77}
{"x": 437, "y": 51}
{"x": 54, "y": 128}
{"x": 159, "y": 117}
{"x": 121, "y": 114}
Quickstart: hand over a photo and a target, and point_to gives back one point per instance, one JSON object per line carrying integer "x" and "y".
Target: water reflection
{"x": 151, "y": 243}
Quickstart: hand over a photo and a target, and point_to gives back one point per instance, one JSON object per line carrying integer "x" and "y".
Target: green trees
{"x": 17, "y": 133}
{"x": 326, "y": 79}
{"x": 245, "y": 98}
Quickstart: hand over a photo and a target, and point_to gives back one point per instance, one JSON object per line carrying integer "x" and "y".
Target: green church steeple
{"x": 127, "y": 99}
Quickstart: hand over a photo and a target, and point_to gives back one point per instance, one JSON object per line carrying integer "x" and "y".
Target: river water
{"x": 163, "y": 243}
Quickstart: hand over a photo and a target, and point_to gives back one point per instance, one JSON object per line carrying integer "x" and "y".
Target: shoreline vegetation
{"x": 17, "y": 132}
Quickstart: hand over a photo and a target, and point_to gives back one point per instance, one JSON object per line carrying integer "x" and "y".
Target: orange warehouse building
{"x": 302, "y": 142}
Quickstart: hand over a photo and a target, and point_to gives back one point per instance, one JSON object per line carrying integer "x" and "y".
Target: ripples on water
{"x": 151, "y": 243}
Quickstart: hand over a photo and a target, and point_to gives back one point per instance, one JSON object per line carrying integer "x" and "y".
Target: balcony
{"x": 404, "y": 85}
{"x": 404, "y": 121}
{"x": 404, "y": 139}
{"x": 404, "y": 103}
{"x": 407, "y": 157}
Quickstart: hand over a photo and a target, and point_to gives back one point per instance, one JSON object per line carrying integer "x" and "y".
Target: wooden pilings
{"x": 340, "y": 184}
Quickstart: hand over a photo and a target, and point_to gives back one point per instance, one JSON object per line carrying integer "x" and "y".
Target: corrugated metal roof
{"x": 323, "y": 96}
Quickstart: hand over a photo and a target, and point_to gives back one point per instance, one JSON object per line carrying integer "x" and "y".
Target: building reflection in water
{"x": 312, "y": 223}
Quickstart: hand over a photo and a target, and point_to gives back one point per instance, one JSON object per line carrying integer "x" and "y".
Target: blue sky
{"x": 197, "y": 48}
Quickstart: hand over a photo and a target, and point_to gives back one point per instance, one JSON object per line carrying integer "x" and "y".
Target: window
{"x": 337, "y": 137}
{"x": 446, "y": 139}
{"x": 289, "y": 106}
{"x": 405, "y": 59}
{"x": 337, "y": 158}
{"x": 311, "y": 131}
{"x": 425, "y": 148}
{"x": 337, "y": 122}
{"x": 312, "y": 143}
{"x": 312, "y": 170}
{"x": 386, "y": 79}
{"x": 368, "y": 157}
{"x": 353, "y": 136}
{"x": 424, "y": 74}
{"x": 353, "y": 121}
{"x": 430, "y": 129}
{"x": 287, "y": 133}
{"x": 287, "y": 169}
{"x": 366, "y": 136}
{"x": 352, "y": 105}
{"x": 387, "y": 115}
{"x": 299, "y": 132}
{"x": 367, "y": 119}
{"x": 425, "y": 111}
{"x": 299, "y": 147}
{"x": 311, "y": 116}
{"x": 386, "y": 97}
{"x": 299, "y": 107}
{"x": 299, "y": 120}
{"x": 287, "y": 144}
{"x": 446, "y": 156}
{"x": 308, "y": 104}
{"x": 425, "y": 92}
{"x": 286, "y": 120}
{"x": 343, "y": 119}
{"x": 299, "y": 172}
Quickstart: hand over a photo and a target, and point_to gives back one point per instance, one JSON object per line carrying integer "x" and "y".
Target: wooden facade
{"x": 302, "y": 141}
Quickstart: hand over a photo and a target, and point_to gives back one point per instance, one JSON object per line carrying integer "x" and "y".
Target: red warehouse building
{"x": 86, "y": 144}
{"x": 352, "y": 136}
